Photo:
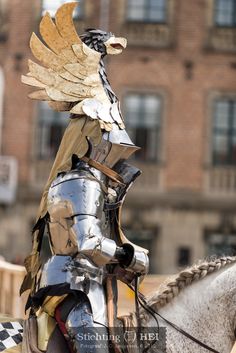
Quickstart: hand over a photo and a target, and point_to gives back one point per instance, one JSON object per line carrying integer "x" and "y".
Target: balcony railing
{"x": 148, "y": 34}
{"x": 223, "y": 39}
{"x": 222, "y": 180}
{"x": 11, "y": 277}
{"x": 150, "y": 181}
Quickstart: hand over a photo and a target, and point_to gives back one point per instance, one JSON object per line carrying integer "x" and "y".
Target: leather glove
{"x": 124, "y": 254}
{"x": 135, "y": 261}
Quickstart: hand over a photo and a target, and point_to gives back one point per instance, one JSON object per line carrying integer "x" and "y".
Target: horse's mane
{"x": 185, "y": 278}
{"x": 170, "y": 290}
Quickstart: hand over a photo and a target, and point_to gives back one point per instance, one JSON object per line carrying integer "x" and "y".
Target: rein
{"x": 142, "y": 302}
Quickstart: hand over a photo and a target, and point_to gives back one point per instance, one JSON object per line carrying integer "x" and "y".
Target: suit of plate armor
{"x": 83, "y": 203}
{"x": 81, "y": 206}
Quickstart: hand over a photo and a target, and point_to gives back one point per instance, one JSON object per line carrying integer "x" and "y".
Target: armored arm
{"x": 78, "y": 225}
{"x": 91, "y": 241}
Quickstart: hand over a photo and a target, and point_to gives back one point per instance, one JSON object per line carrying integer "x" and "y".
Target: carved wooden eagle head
{"x": 103, "y": 42}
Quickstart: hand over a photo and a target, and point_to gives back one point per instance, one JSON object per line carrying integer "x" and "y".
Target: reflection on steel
{"x": 81, "y": 319}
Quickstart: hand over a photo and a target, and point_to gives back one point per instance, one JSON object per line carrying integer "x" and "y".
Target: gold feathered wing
{"x": 69, "y": 78}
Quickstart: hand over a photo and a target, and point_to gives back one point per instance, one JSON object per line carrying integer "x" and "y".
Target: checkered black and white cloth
{"x": 11, "y": 334}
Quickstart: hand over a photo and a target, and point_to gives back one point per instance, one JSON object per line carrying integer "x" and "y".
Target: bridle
{"x": 140, "y": 300}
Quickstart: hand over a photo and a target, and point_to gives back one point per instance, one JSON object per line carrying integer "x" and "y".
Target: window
{"x": 52, "y": 5}
{"x": 147, "y": 240}
{"x": 225, "y": 13}
{"x": 224, "y": 132}
{"x": 221, "y": 244}
{"x": 51, "y": 129}
{"x": 184, "y": 256}
{"x": 147, "y": 11}
{"x": 143, "y": 120}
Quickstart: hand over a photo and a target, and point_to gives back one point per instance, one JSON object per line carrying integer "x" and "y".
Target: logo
{"x": 130, "y": 337}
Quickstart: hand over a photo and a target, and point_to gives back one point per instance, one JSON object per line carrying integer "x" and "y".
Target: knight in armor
{"x": 80, "y": 210}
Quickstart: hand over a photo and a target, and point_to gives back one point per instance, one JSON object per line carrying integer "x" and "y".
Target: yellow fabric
{"x": 50, "y": 304}
{"x": 17, "y": 349}
{"x": 46, "y": 325}
{"x": 74, "y": 141}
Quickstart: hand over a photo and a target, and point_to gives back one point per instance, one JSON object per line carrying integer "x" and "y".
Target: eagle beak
{"x": 115, "y": 45}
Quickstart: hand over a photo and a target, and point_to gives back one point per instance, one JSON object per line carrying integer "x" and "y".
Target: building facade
{"x": 177, "y": 85}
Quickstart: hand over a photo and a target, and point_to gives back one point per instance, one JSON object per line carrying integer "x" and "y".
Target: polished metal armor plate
{"x": 54, "y": 271}
{"x": 64, "y": 269}
{"x": 115, "y": 146}
{"x": 77, "y": 219}
{"x": 82, "y": 190}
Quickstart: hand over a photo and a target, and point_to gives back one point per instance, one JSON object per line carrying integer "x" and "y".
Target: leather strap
{"x": 105, "y": 170}
{"x": 112, "y": 206}
{"x": 111, "y": 313}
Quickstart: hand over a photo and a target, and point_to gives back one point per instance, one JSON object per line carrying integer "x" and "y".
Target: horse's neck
{"x": 206, "y": 310}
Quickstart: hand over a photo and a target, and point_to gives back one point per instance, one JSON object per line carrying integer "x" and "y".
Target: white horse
{"x": 202, "y": 302}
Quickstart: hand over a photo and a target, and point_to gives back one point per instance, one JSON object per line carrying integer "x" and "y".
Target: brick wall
{"x": 184, "y": 74}
{"x": 177, "y": 61}
{"x": 17, "y": 124}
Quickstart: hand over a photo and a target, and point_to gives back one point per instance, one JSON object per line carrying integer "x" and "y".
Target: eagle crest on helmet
{"x": 73, "y": 77}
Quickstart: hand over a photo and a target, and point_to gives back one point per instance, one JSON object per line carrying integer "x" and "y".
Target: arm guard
{"x": 91, "y": 241}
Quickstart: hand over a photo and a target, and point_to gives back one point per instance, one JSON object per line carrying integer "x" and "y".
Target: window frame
{"x": 180, "y": 255}
{"x": 226, "y": 244}
{"x": 230, "y": 132}
{"x": 146, "y": 9}
{"x": 225, "y": 25}
{"x": 44, "y": 123}
{"x": 159, "y": 126}
{"x": 140, "y": 235}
